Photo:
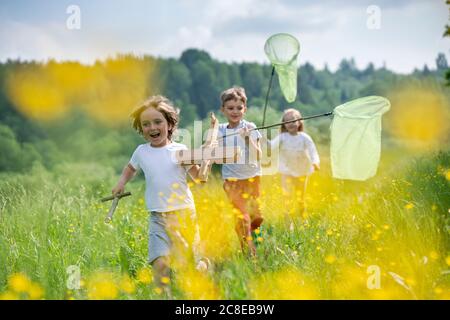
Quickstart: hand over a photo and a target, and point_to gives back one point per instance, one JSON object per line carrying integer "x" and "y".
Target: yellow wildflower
{"x": 165, "y": 280}
{"x": 35, "y": 292}
{"x": 127, "y": 285}
{"x": 409, "y": 206}
{"x": 447, "y": 174}
{"x": 102, "y": 286}
{"x": 144, "y": 275}
{"x": 9, "y": 295}
{"x": 438, "y": 290}
{"x": 19, "y": 282}
{"x": 330, "y": 259}
{"x": 157, "y": 290}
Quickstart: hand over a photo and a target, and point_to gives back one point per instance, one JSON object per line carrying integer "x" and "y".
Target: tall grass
{"x": 396, "y": 223}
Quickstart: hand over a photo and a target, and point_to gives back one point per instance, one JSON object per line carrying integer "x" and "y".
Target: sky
{"x": 401, "y": 34}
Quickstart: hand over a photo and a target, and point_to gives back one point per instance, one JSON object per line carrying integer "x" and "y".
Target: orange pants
{"x": 243, "y": 195}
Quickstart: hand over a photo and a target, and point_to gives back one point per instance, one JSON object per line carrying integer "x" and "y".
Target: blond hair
{"x": 234, "y": 93}
{"x": 297, "y": 114}
{"x": 161, "y": 104}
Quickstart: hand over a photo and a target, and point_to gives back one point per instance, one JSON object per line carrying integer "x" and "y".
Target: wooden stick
{"x": 115, "y": 201}
{"x": 211, "y": 141}
{"x": 114, "y": 204}
{"x": 120, "y": 195}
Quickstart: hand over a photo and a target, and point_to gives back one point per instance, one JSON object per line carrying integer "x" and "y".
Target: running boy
{"x": 167, "y": 195}
{"x": 242, "y": 179}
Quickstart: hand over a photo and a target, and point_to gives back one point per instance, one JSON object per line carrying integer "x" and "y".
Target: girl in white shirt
{"x": 298, "y": 158}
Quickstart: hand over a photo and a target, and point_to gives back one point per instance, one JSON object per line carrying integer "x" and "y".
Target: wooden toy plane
{"x": 209, "y": 153}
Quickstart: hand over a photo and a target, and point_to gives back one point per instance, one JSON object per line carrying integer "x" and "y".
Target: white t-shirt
{"x": 165, "y": 180}
{"x": 248, "y": 165}
{"x": 297, "y": 154}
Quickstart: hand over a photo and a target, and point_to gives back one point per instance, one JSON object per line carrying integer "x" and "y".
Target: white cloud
{"x": 21, "y": 40}
{"x": 328, "y": 31}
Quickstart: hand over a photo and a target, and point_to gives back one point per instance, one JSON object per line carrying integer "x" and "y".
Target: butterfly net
{"x": 356, "y": 138}
{"x": 282, "y": 50}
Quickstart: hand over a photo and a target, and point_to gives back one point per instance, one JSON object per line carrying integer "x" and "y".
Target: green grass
{"x": 398, "y": 221}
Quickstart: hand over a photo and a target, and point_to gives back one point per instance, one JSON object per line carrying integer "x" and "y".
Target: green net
{"x": 282, "y": 50}
{"x": 356, "y": 138}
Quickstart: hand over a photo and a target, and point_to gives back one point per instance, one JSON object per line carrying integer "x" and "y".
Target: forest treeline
{"x": 84, "y": 95}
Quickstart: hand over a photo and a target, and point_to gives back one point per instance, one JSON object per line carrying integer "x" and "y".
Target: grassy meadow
{"x": 385, "y": 238}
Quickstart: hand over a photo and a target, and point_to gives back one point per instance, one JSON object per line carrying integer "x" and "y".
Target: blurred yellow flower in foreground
{"x": 9, "y": 295}
{"x": 198, "y": 286}
{"x": 35, "y": 292}
{"x": 144, "y": 275}
{"x": 127, "y": 285}
{"x": 165, "y": 280}
{"x": 447, "y": 174}
{"x": 330, "y": 259}
{"x": 102, "y": 286}
{"x": 409, "y": 206}
{"x": 19, "y": 282}
{"x": 285, "y": 284}
{"x": 157, "y": 290}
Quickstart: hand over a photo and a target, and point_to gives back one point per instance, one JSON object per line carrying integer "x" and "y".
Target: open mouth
{"x": 155, "y": 135}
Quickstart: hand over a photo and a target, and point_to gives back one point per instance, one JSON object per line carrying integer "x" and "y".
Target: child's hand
{"x": 316, "y": 167}
{"x": 119, "y": 188}
{"x": 244, "y": 132}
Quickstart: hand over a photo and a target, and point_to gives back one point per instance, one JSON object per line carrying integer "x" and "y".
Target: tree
{"x": 190, "y": 56}
{"x": 369, "y": 71}
{"x": 441, "y": 62}
{"x": 10, "y": 149}
{"x": 204, "y": 94}
{"x": 14, "y": 156}
{"x": 178, "y": 81}
{"x": 253, "y": 78}
{"x": 426, "y": 70}
{"x": 347, "y": 68}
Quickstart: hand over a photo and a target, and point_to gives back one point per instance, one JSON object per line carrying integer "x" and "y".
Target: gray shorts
{"x": 164, "y": 230}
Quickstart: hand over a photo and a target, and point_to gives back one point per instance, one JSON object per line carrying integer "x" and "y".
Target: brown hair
{"x": 161, "y": 104}
{"x": 297, "y": 114}
{"x": 234, "y": 93}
